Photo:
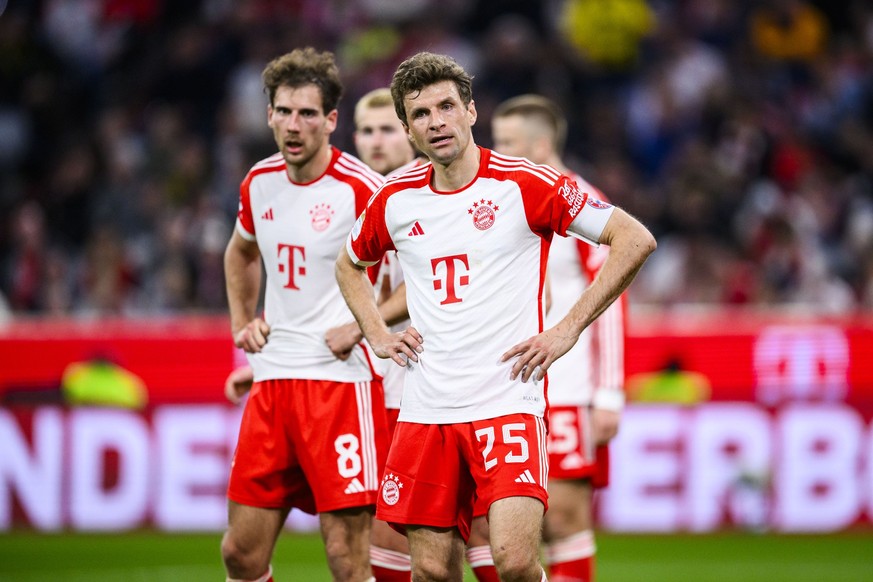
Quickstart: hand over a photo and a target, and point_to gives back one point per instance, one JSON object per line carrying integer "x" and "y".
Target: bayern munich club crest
{"x": 391, "y": 486}
{"x": 484, "y": 213}
{"x": 320, "y": 216}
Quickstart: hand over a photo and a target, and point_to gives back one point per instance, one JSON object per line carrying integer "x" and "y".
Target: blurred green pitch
{"x": 724, "y": 557}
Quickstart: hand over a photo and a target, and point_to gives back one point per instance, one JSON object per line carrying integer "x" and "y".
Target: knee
{"x": 431, "y": 569}
{"x": 242, "y": 562}
{"x": 515, "y": 565}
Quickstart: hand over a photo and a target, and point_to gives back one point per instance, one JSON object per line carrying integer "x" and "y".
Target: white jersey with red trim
{"x": 392, "y": 378}
{"x": 299, "y": 229}
{"x": 392, "y": 374}
{"x": 592, "y": 372}
{"x": 474, "y": 263}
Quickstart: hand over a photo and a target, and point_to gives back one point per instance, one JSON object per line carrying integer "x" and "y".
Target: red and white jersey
{"x": 392, "y": 374}
{"x": 392, "y": 377}
{"x": 592, "y": 372}
{"x": 299, "y": 229}
{"x": 474, "y": 261}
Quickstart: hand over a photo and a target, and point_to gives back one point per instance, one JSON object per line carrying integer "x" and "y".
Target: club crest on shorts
{"x": 320, "y": 216}
{"x": 391, "y": 486}
{"x": 484, "y": 212}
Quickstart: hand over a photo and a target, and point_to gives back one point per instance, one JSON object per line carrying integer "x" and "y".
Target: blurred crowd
{"x": 739, "y": 132}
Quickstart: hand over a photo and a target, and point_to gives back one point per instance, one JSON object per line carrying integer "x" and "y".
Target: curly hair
{"x": 305, "y": 66}
{"x": 425, "y": 69}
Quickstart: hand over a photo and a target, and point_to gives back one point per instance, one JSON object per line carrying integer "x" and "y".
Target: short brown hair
{"x": 305, "y": 66}
{"x": 425, "y": 69}
{"x": 541, "y": 110}
{"x": 373, "y": 100}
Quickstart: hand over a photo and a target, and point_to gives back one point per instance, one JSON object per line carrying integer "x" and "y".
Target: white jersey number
{"x": 349, "y": 461}
{"x": 563, "y": 434}
{"x": 509, "y": 439}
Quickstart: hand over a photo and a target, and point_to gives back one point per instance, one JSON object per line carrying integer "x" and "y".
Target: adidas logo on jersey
{"x": 525, "y": 477}
{"x": 416, "y": 230}
{"x": 355, "y": 486}
{"x": 268, "y": 215}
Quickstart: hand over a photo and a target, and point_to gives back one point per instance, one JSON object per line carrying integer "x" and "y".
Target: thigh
{"x": 254, "y": 529}
{"x": 515, "y": 525}
{"x": 341, "y": 438}
{"x": 346, "y": 535}
{"x": 436, "y": 553}
{"x": 569, "y": 508}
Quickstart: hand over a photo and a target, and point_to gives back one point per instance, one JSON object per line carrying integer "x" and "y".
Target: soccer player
{"x": 313, "y": 434}
{"x": 472, "y": 230}
{"x": 381, "y": 143}
{"x": 585, "y": 386}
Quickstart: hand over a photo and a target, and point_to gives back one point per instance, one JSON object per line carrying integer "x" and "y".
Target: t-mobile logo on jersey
{"x": 291, "y": 261}
{"x": 451, "y": 278}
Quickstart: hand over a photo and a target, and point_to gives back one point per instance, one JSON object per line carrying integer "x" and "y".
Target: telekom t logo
{"x": 291, "y": 261}
{"x": 452, "y": 278}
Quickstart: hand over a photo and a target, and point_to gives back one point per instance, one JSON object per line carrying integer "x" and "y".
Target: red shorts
{"x": 435, "y": 472}
{"x": 312, "y": 444}
{"x": 572, "y": 452}
{"x": 393, "y": 413}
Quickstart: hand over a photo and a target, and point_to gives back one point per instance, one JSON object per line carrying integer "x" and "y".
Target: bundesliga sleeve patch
{"x": 598, "y": 204}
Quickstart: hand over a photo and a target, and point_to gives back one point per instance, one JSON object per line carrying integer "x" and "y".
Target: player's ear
{"x": 471, "y": 112}
{"x": 331, "y": 119}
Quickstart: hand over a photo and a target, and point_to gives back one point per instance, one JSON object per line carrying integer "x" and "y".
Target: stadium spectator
{"x": 120, "y": 103}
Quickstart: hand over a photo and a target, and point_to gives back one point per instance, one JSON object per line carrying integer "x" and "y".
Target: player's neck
{"x": 460, "y": 172}
{"x": 313, "y": 169}
{"x": 555, "y": 161}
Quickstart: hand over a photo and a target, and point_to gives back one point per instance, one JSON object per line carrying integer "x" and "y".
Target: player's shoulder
{"x": 274, "y": 163}
{"x": 521, "y": 170}
{"x": 586, "y": 186}
{"x": 415, "y": 163}
{"x": 347, "y": 168}
{"x": 415, "y": 174}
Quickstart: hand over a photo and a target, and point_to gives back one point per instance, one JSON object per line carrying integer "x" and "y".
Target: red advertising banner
{"x": 734, "y": 421}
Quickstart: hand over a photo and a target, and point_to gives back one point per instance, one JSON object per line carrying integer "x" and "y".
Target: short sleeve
{"x": 369, "y": 239}
{"x": 245, "y": 224}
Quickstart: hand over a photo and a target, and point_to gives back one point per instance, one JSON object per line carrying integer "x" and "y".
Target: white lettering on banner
{"x": 731, "y": 444}
{"x": 805, "y": 468}
{"x": 193, "y": 465}
{"x": 801, "y": 469}
{"x": 124, "y": 503}
{"x": 33, "y": 476}
{"x": 817, "y": 474}
{"x": 645, "y": 471}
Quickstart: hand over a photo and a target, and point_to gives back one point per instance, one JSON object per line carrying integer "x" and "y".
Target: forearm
{"x": 243, "y": 282}
{"x": 394, "y": 309}
{"x": 359, "y": 296}
{"x": 630, "y": 245}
